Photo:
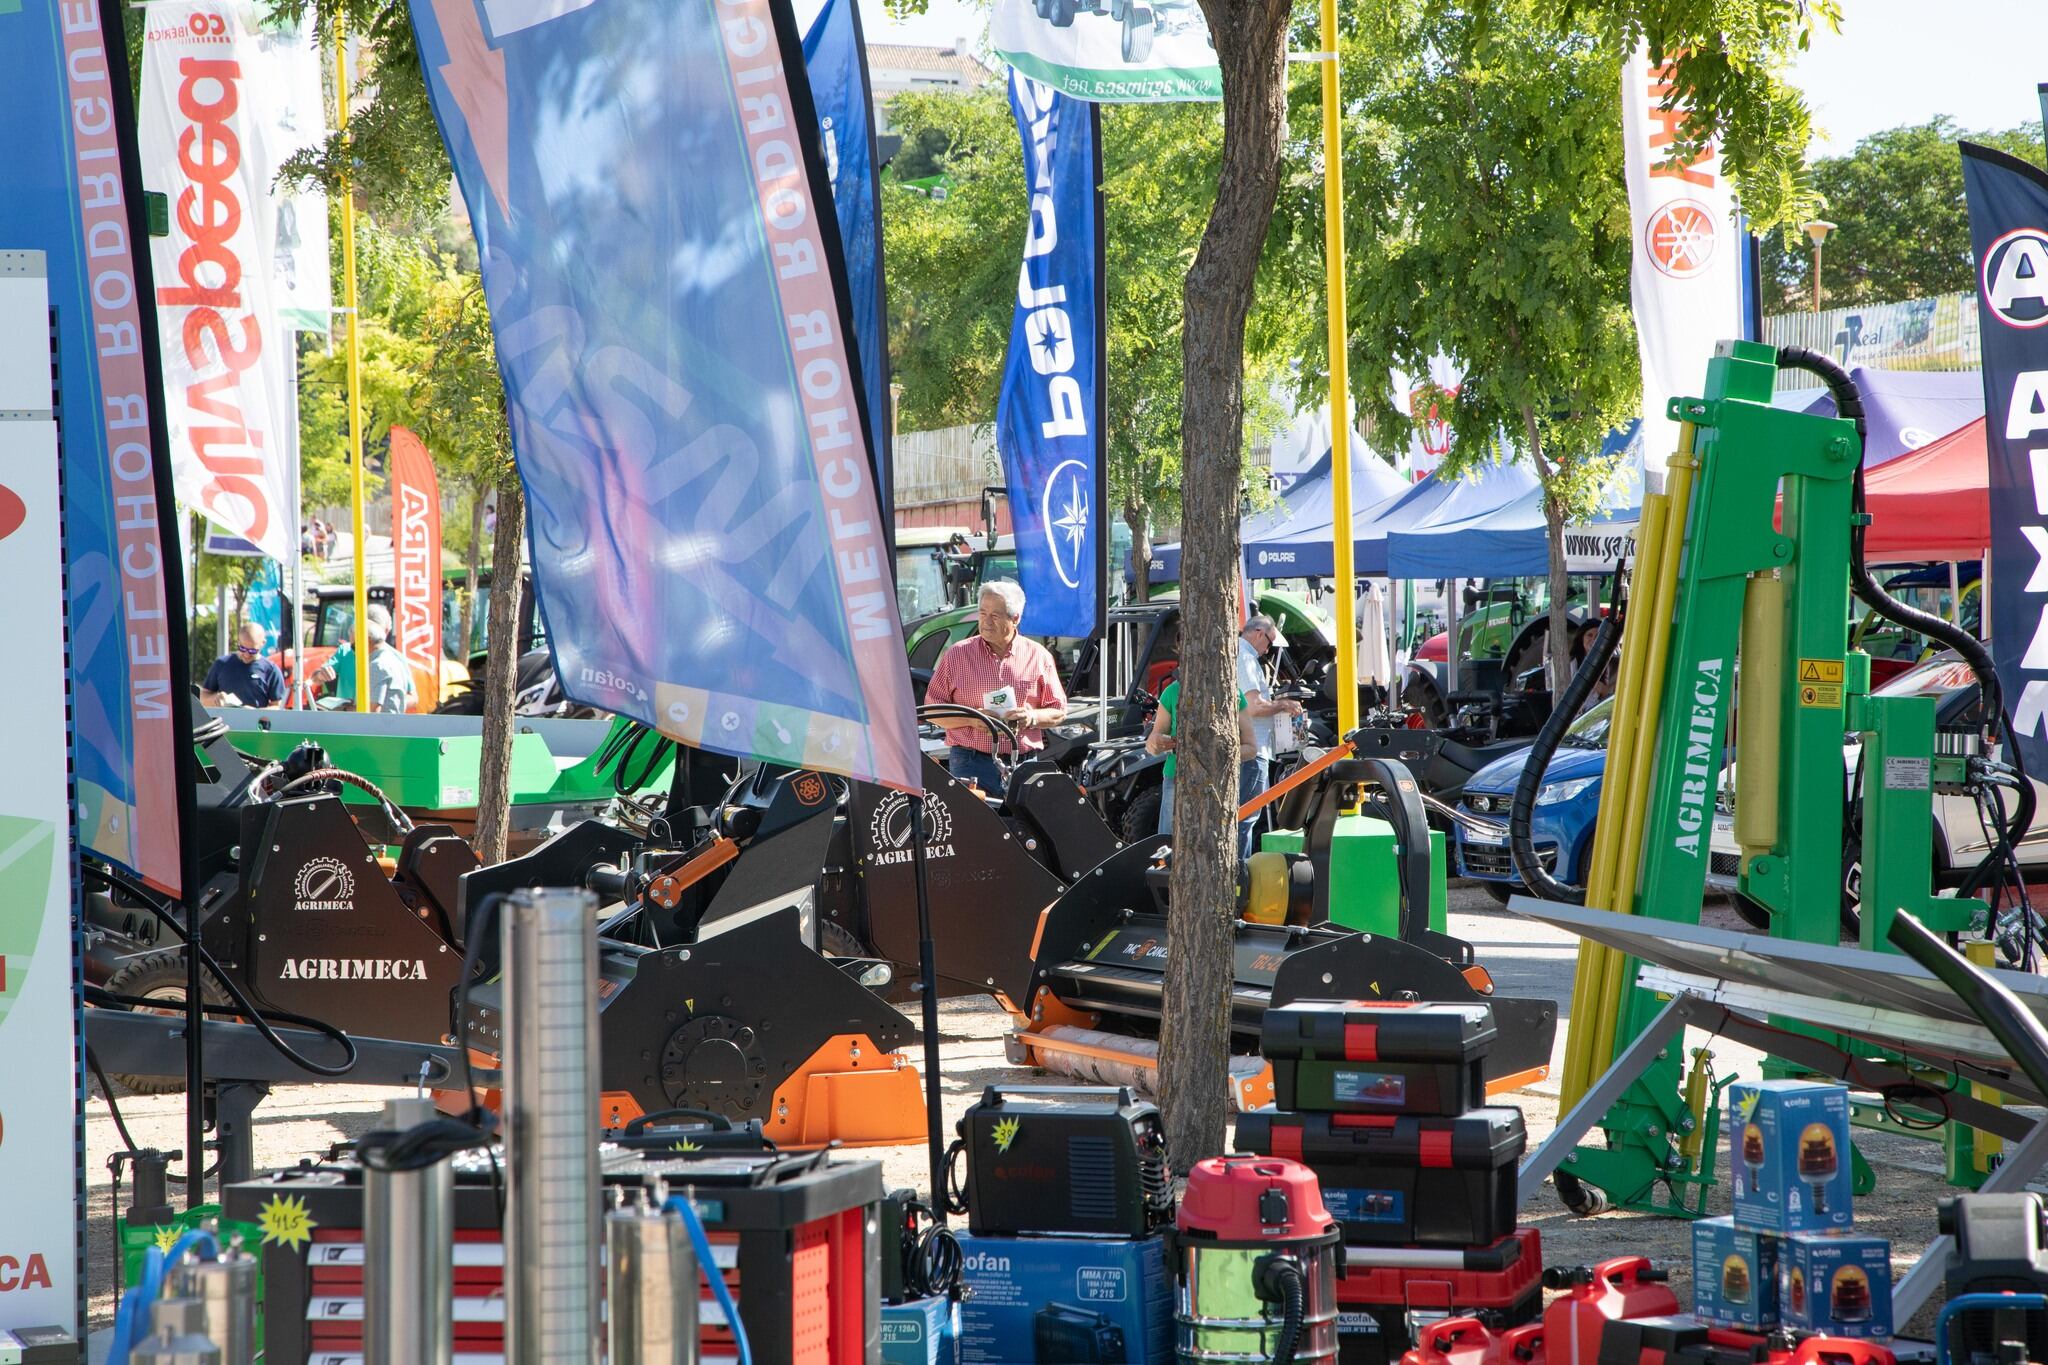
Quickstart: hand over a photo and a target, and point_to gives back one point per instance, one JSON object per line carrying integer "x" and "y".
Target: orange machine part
{"x": 667, "y": 889}
{"x": 851, "y": 1093}
{"x": 1502, "y": 1085}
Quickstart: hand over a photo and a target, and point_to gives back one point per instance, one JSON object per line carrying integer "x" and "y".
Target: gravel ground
{"x": 1524, "y": 958}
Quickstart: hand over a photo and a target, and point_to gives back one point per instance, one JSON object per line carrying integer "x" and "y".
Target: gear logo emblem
{"x": 889, "y": 830}
{"x": 324, "y": 884}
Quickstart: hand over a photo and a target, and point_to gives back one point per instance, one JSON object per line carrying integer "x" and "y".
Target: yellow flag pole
{"x": 361, "y": 638}
{"x": 1340, "y": 399}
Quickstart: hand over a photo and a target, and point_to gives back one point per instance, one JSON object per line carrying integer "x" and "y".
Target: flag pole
{"x": 1340, "y": 398}
{"x": 361, "y": 637}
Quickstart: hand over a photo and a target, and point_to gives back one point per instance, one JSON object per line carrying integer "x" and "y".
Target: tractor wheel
{"x": 158, "y": 976}
{"x": 836, "y": 940}
{"x": 1429, "y": 702}
{"x": 1063, "y": 12}
{"x": 1139, "y": 30}
{"x": 1141, "y": 817}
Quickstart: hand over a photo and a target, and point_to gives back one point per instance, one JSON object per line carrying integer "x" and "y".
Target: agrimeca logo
{"x": 324, "y": 884}
{"x": 2016, "y": 278}
{"x": 889, "y": 830}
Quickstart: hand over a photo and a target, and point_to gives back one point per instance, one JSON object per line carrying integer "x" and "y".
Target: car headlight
{"x": 1550, "y": 793}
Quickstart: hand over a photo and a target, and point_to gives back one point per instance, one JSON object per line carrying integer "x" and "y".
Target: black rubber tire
{"x": 1429, "y": 702}
{"x": 1138, "y": 31}
{"x": 1063, "y": 12}
{"x": 157, "y": 976}
{"x": 1500, "y": 891}
{"x": 836, "y": 940}
{"x": 1852, "y": 890}
{"x": 1141, "y": 817}
{"x": 1754, "y": 915}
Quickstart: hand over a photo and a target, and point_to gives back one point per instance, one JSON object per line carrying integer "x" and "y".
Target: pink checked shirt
{"x": 969, "y": 671}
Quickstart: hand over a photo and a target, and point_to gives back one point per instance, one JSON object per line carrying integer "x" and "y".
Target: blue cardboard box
{"x": 1065, "y": 1298}
{"x": 1836, "y": 1283}
{"x": 921, "y": 1332}
{"x": 1789, "y": 1151}
{"x": 1734, "y": 1275}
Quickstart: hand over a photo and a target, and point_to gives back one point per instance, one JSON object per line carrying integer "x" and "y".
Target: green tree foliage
{"x": 952, "y": 267}
{"x": 1902, "y": 230}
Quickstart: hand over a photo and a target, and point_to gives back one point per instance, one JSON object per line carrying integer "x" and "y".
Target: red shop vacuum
{"x": 1256, "y": 1258}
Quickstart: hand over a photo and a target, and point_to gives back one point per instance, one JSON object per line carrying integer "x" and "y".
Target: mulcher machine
{"x": 1096, "y": 986}
{"x": 1748, "y": 558}
{"x": 712, "y": 996}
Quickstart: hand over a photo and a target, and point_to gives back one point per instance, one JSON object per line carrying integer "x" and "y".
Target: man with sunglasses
{"x": 243, "y": 677}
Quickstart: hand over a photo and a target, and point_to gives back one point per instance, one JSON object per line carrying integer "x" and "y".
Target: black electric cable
{"x": 258, "y": 1018}
{"x": 1848, "y": 401}
{"x": 1522, "y": 810}
{"x": 121, "y": 1127}
{"x": 458, "y": 1002}
{"x": 624, "y": 748}
{"x": 1279, "y": 1279}
{"x": 422, "y": 1145}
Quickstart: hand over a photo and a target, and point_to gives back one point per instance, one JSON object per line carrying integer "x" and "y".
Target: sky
{"x": 1894, "y": 62}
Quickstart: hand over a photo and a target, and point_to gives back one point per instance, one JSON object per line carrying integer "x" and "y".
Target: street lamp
{"x": 1818, "y": 230}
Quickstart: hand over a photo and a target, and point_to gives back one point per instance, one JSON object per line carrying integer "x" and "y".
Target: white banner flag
{"x": 1687, "y": 277}
{"x": 228, "y": 359}
{"x": 282, "y": 90}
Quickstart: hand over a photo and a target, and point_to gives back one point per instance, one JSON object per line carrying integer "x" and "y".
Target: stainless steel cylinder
{"x": 551, "y": 1086}
{"x": 650, "y": 1286}
{"x": 227, "y": 1288}
{"x": 409, "y": 1255}
{"x": 174, "y": 1337}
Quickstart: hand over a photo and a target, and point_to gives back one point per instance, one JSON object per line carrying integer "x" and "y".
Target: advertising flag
{"x": 284, "y": 95}
{"x": 669, "y": 305}
{"x": 1686, "y": 282}
{"x": 228, "y": 362}
{"x": 836, "y": 60}
{"x": 416, "y": 555}
{"x": 73, "y": 193}
{"x": 1110, "y": 51}
{"x": 1048, "y": 415}
{"x": 2009, "y": 239}
{"x": 263, "y": 606}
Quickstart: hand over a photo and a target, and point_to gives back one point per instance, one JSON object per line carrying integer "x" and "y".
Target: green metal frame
{"x": 1773, "y": 495}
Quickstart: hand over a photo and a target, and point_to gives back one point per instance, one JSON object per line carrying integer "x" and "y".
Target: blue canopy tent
{"x": 1485, "y": 535}
{"x": 1372, "y": 481}
{"x": 1304, "y": 545}
{"x": 1907, "y": 409}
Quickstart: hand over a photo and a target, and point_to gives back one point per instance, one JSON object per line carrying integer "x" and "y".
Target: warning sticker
{"x": 1908, "y": 774}
{"x": 1821, "y": 694}
{"x": 1821, "y": 671}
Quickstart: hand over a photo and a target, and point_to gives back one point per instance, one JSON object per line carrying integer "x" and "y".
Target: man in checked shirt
{"x": 1013, "y": 678}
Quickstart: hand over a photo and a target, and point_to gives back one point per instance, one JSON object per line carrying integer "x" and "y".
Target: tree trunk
{"x": 1560, "y": 650}
{"x": 1194, "y": 1044}
{"x": 1141, "y": 550}
{"x": 474, "y": 563}
{"x": 494, "y": 776}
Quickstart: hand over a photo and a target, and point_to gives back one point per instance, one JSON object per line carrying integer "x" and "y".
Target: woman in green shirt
{"x": 1159, "y": 740}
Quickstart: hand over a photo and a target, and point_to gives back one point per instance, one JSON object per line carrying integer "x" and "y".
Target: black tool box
{"x": 1064, "y": 1161}
{"x": 1381, "y": 1308}
{"x": 1358, "y": 1057}
{"x": 1404, "y": 1180}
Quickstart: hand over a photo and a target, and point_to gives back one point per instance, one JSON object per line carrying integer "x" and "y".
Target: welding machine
{"x": 1062, "y": 1334}
{"x": 1062, "y": 1160}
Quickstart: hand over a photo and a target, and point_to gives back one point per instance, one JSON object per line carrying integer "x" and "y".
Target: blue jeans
{"x": 972, "y": 765}
{"x": 1252, "y": 778}
{"x": 1166, "y": 804}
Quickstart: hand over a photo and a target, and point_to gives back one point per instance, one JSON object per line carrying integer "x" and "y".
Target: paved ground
{"x": 1524, "y": 958}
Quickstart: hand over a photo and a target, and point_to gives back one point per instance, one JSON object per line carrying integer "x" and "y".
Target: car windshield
{"x": 920, "y": 581}
{"x": 1589, "y": 731}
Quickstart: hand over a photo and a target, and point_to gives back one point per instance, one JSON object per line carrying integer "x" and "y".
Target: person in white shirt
{"x": 1258, "y": 639}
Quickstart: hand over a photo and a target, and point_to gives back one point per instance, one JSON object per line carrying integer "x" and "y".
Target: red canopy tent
{"x": 1933, "y": 503}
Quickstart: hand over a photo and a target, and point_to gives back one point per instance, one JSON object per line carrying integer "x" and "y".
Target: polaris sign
{"x": 1048, "y": 424}
{"x": 2009, "y": 235}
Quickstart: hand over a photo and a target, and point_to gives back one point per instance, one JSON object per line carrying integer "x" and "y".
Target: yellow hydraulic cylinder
{"x": 1679, "y": 479}
{"x": 1759, "y": 712}
{"x": 1616, "y": 794}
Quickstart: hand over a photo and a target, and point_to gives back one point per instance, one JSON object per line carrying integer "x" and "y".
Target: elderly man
{"x": 999, "y": 671}
{"x": 1258, "y": 639}
{"x": 391, "y": 684}
{"x": 244, "y": 677}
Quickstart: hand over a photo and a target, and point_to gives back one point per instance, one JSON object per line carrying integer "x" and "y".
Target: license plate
{"x": 1473, "y": 836}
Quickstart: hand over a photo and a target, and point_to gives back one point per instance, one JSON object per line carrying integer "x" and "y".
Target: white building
{"x": 896, "y": 67}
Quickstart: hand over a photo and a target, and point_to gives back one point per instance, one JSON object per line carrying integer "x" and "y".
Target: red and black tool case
{"x": 1370, "y": 1057}
{"x": 1386, "y": 1296}
{"x": 1404, "y": 1180}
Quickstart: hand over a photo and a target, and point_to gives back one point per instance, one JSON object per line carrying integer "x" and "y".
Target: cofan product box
{"x": 1734, "y": 1274}
{"x": 1790, "y": 1155}
{"x": 921, "y": 1332}
{"x": 1065, "y": 1301}
{"x": 1837, "y": 1284}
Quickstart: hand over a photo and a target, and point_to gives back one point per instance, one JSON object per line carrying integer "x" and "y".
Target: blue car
{"x": 1561, "y": 827}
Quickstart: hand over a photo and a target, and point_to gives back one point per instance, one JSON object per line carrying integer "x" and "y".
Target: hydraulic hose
{"x": 400, "y": 821}
{"x": 1849, "y": 405}
{"x": 1528, "y": 866}
{"x": 1279, "y": 1279}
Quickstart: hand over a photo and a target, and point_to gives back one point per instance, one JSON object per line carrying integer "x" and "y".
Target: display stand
{"x": 1732, "y": 984}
